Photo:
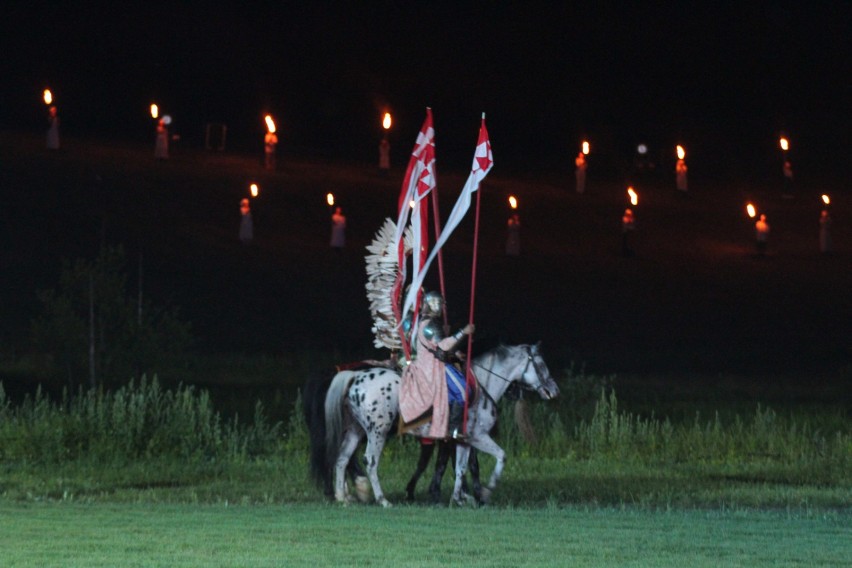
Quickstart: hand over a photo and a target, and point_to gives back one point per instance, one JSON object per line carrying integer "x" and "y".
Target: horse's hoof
{"x": 486, "y": 495}
{"x": 384, "y": 503}
{"x": 362, "y": 489}
{"x": 463, "y": 500}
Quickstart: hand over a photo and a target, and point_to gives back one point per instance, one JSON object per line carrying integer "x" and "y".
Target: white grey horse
{"x": 366, "y": 403}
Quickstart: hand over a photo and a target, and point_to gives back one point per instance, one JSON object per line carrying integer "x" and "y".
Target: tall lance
{"x": 436, "y": 216}
{"x": 468, "y": 376}
{"x": 482, "y": 162}
{"x": 420, "y": 169}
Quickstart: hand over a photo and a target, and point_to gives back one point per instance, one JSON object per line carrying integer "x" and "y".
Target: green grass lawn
{"x": 51, "y": 534}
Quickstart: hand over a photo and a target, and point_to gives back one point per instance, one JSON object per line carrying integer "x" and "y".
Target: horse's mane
{"x": 495, "y": 355}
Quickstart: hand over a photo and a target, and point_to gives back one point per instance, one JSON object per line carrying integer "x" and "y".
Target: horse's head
{"x": 536, "y": 375}
{"x": 518, "y": 365}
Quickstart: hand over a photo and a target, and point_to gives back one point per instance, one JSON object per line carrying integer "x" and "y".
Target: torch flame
{"x": 751, "y": 210}
{"x": 386, "y": 121}
{"x": 585, "y": 147}
{"x": 785, "y": 144}
{"x": 825, "y": 199}
{"x": 155, "y": 111}
{"x": 634, "y": 197}
{"x": 681, "y": 153}
{"x": 254, "y": 189}
{"x": 513, "y": 202}
{"x": 329, "y": 199}
{"x": 48, "y": 97}
{"x": 270, "y": 124}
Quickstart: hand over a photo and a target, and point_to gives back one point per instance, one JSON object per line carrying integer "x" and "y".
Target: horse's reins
{"x": 506, "y": 379}
{"x": 501, "y": 377}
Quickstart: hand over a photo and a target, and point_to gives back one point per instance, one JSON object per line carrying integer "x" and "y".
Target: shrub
{"x": 137, "y": 421}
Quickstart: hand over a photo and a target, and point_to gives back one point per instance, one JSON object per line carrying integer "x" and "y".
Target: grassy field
{"x": 527, "y": 482}
{"x": 43, "y": 534}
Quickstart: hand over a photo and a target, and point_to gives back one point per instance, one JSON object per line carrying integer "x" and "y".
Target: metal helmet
{"x": 433, "y": 304}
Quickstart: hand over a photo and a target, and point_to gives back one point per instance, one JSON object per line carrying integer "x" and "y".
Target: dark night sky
{"x": 723, "y": 78}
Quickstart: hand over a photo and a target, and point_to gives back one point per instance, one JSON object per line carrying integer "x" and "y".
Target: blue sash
{"x": 455, "y": 385}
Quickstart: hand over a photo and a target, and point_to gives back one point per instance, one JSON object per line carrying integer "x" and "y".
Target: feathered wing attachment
{"x": 382, "y": 271}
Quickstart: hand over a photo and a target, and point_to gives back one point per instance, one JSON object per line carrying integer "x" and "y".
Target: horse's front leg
{"x": 462, "y": 456}
{"x": 444, "y": 452}
{"x": 347, "y": 448}
{"x": 473, "y": 466}
{"x": 426, "y": 451}
{"x": 486, "y": 444}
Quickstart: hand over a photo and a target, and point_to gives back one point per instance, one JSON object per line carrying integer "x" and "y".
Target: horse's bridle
{"x": 530, "y": 360}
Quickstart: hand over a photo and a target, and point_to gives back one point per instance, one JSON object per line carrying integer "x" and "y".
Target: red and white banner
{"x": 482, "y": 163}
{"x": 419, "y": 180}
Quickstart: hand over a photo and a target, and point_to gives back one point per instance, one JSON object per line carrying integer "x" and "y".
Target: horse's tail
{"x": 313, "y": 407}
{"x": 334, "y": 399}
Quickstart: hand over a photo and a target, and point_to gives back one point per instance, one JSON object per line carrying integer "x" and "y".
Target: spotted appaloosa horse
{"x": 366, "y": 403}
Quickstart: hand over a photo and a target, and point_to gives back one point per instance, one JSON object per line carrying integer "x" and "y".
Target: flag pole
{"x": 467, "y": 376}
{"x": 437, "y": 222}
{"x": 424, "y": 139}
{"x": 473, "y": 279}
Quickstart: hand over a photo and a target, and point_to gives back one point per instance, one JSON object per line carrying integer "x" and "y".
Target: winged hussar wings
{"x": 382, "y": 271}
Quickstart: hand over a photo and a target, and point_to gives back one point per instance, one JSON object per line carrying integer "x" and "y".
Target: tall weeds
{"x": 801, "y": 447}
{"x": 137, "y": 421}
{"x": 143, "y": 421}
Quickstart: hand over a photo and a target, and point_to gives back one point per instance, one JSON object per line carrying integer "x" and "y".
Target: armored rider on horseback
{"x": 431, "y": 381}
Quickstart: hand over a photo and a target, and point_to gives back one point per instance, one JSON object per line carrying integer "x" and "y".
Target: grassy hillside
{"x": 694, "y": 305}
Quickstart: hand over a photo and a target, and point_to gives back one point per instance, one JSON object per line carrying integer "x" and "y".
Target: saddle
{"x": 366, "y": 364}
